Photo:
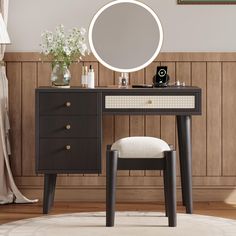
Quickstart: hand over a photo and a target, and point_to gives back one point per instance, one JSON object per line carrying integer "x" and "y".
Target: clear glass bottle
{"x": 124, "y": 80}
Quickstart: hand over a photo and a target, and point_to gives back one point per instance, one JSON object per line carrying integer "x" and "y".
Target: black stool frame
{"x": 167, "y": 164}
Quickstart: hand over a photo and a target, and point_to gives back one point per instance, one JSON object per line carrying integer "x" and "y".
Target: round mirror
{"x": 125, "y": 35}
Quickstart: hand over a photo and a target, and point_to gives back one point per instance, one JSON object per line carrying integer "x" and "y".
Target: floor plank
{"x": 13, "y": 212}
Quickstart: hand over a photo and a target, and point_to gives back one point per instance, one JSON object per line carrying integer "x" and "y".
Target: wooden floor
{"x": 15, "y": 212}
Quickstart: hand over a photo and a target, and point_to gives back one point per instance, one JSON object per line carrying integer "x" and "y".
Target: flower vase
{"x": 60, "y": 76}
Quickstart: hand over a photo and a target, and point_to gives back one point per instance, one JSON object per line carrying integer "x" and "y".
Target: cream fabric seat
{"x": 140, "y": 147}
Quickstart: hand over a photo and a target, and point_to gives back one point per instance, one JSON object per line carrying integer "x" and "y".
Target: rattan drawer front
{"x": 149, "y": 102}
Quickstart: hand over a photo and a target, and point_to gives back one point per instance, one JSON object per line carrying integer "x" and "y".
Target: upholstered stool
{"x": 141, "y": 153}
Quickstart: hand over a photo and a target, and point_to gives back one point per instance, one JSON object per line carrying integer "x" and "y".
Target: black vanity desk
{"x": 69, "y": 128}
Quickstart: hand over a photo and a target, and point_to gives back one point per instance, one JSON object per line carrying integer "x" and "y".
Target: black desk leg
{"x": 49, "y": 191}
{"x": 181, "y": 161}
{"x": 111, "y": 170}
{"x": 185, "y": 157}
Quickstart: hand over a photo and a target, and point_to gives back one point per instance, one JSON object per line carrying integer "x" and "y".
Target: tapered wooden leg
{"x": 165, "y": 191}
{"x": 181, "y": 161}
{"x": 53, "y": 187}
{"x": 171, "y": 186}
{"x": 111, "y": 171}
{"x": 49, "y": 191}
{"x": 185, "y": 155}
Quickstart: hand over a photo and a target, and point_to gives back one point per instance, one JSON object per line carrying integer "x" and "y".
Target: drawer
{"x": 69, "y": 126}
{"x": 150, "y": 102}
{"x": 68, "y": 155}
{"x": 68, "y": 103}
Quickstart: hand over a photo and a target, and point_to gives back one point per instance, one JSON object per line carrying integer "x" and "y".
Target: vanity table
{"x": 69, "y": 128}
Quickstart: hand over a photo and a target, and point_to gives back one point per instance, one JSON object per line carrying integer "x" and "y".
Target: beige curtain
{"x": 9, "y": 192}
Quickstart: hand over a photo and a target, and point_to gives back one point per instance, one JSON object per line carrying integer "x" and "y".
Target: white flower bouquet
{"x": 64, "y": 48}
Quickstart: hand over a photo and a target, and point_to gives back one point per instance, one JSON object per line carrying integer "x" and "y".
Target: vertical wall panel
{"x": 106, "y": 76}
{"x": 14, "y": 81}
{"x": 137, "y": 77}
{"x": 137, "y": 122}
{"x": 116, "y": 79}
{"x": 44, "y": 74}
{"x": 229, "y": 113}
{"x": 29, "y": 83}
{"x": 76, "y": 71}
{"x": 214, "y": 119}
{"x": 183, "y": 74}
{"x": 199, "y": 122}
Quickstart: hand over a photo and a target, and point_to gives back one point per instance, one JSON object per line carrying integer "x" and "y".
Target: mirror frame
{"x": 100, "y": 11}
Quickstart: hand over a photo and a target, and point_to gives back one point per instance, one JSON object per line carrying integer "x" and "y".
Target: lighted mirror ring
{"x": 120, "y": 69}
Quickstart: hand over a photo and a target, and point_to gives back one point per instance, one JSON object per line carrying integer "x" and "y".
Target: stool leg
{"x": 111, "y": 170}
{"x": 171, "y": 182}
{"x": 165, "y": 191}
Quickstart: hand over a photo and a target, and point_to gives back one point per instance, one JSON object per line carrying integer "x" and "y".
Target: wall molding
{"x": 164, "y": 56}
{"x": 151, "y": 194}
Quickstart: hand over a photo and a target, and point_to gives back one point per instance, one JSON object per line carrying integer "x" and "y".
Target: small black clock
{"x": 161, "y": 79}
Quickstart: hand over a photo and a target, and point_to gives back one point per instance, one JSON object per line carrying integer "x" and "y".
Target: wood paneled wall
{"x": 213, "y": 133}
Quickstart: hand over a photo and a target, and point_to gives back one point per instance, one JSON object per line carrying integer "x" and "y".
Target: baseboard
{"x": 137, "y": 194}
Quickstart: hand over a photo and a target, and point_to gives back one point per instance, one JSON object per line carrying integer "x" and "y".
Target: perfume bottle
{"x": 124, "y": 80}
{"x": 84, "y": 77}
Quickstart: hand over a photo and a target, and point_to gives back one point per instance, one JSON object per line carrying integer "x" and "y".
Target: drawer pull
{"x": 68, "y": 147}
{"x": 68, "y": 127}
{"x": 68, "y": 104}
{"x": 149, "y": 101}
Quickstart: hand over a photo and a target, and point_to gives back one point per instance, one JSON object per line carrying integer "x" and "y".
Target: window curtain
{"x": 9, "y": 192}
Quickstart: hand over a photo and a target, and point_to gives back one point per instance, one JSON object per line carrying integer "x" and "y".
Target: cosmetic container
{"x": 91, "y": 77}
{"x": 84, "y": 77}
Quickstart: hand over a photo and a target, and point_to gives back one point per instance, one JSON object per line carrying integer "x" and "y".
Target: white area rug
{"x": 127, "y": 224}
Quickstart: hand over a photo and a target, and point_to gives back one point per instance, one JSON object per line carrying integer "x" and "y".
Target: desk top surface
{"x": 125, "y": 90}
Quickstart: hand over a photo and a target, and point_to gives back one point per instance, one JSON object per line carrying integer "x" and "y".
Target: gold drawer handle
{"x": 68, "y": 104}
{"x": 149, "y": 101}
{"x": 68, "y": 147}
{"x": 68, "y": 127}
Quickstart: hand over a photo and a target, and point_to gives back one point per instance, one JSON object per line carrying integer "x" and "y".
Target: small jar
{"x": 124, "y": 80}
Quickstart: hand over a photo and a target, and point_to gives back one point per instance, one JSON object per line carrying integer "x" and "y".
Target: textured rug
{"x": 127, "y": 224}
